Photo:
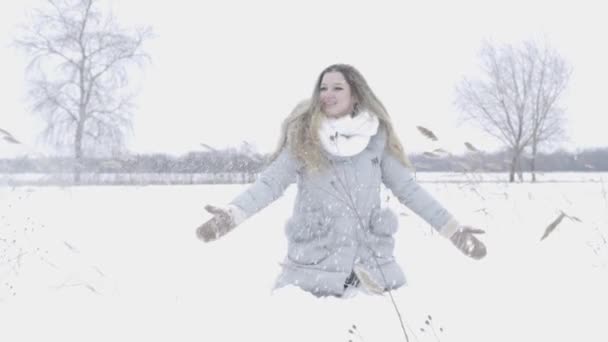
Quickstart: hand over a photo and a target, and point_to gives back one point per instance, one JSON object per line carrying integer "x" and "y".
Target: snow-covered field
{"x": 121, "y": 263}
{"x": 8, "y": 179}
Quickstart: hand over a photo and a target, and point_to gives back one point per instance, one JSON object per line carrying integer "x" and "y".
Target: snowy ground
{"x": 122, "y": 264}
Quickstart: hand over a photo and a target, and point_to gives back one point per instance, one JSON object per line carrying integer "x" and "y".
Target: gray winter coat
{"x": 337, "y": 220}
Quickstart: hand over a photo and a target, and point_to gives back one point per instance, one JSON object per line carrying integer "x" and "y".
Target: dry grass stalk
{"x": 8, "y": 137}
{"x": 427, "y": 133}
{"x": 470, "y": 147}
{"x": 557, "y": 221}
{"x": 551, "y": 227}
{"x": 355, "y": 332}
{"x": 71, "y": 247}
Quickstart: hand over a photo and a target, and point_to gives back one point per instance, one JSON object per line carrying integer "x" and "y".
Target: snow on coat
{"x": 337, "y": 220}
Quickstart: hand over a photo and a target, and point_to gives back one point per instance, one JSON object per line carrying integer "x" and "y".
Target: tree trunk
{"x": 513, "y": 168}
{"x": 78, "y": 153}
{"x": 533, "y": 162}
{"x": 520, "y": 172}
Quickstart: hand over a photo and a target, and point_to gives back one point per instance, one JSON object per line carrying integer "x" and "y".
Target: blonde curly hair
{"x": 299, "y": 130}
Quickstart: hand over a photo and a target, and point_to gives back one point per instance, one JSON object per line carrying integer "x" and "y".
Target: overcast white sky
{"x": 224, "y": 72}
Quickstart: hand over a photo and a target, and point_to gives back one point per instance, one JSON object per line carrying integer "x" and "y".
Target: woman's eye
{"x": 322, "y": 89}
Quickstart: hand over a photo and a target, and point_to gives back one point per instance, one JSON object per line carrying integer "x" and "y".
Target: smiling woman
{"x": 339, "y": 147}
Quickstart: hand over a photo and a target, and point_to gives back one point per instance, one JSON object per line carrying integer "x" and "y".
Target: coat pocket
{"x": 383, "y": 222}
{"x": 310, "y": 238}
{"x": 383, "y": 225}
{"x": 308, "y": 226}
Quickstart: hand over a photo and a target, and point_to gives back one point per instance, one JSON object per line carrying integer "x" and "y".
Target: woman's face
{"x": 335, "y": 95}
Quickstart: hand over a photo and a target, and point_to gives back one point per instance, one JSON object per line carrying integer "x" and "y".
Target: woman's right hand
{"x": 219, "y": 225}
{"x": 465, "y": 240}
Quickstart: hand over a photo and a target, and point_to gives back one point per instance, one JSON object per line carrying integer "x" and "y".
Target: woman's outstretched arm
{"x": 269, "y": 186}
{"x": 403, "y": 185}
{"x": 398, "y": 178}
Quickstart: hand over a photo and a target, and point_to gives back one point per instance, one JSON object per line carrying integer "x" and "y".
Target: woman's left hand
{"x": 465, "y": 240}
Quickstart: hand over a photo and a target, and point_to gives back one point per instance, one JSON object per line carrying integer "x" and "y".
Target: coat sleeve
{"x": 269, "y": 186}
{"x": 402, "y": 184}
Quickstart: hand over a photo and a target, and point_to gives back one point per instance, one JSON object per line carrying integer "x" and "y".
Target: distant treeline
{"x": 559, "y": 161}
{"x": 236, "y": 161}
{"x": 220, "y": 161}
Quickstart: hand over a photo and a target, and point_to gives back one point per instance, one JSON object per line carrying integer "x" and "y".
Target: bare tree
{"x": 512, "y": 99}
{"x": 78, "y": 74}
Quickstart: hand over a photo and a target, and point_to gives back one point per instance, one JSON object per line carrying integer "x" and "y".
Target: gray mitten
{"x": 219, "y": 225}
{"x": 468, "y": 244}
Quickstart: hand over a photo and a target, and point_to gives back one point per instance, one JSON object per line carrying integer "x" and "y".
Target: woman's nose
{"x": 327, "y": 95}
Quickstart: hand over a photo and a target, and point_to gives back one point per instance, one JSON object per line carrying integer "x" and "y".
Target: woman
{"x": 339, "y": 147}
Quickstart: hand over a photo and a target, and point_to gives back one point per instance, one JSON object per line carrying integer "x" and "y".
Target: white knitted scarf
{"x": 347, "y": 136}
